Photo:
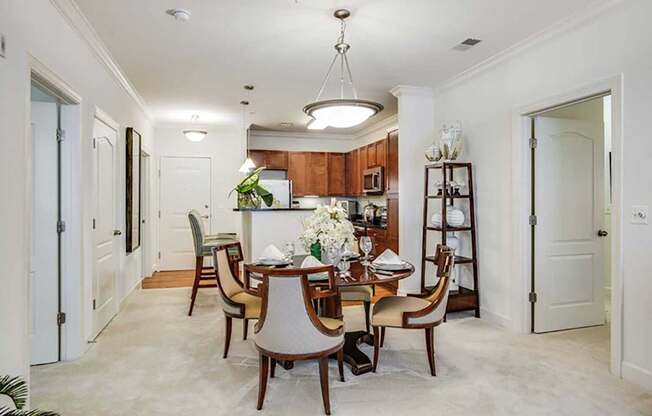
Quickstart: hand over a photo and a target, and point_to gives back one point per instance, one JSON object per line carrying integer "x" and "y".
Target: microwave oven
{"x": 373, "y": 181}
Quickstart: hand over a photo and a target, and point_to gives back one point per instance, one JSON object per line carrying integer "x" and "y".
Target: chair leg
{"x": 430, "y": 351}
{"x": 367, "y": 307}
{"x": 199, "y": 263}
{"x": 245, "y": 328}
{"x": 262, "y": 380}
{"x": 323, "y": 378}
{"x": 272, "y": 370}
{"x": 227, "y": 338}
{"x": 382, "y": 337}
{"x": 340, "y": 363}
{"x": 376, "y": 347}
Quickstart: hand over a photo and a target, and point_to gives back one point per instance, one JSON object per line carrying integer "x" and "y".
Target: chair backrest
{"x": 227, "y": 283}
{"x": 197, "y": 229}
{"x": 288, "y": 324}
{"x": 438, "y": 298}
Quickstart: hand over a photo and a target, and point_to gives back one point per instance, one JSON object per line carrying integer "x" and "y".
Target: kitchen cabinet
{"x": 381, "y": 153}
{"x": 371, "y": 155}
{"x": 317, "y": 173}
{"x": 391, "y": 170}
{"x": 353, "y": 173}
{"x": 336, "y": 174}
{"x": 271, "y": 159}
{"x": 392, "y": 223}
{"x": 362, "y": 163}
{"x": 298, "y": 163}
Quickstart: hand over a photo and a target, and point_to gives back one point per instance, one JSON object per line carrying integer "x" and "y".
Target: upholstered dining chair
{"x": 210, "y": 237}
{"x": 362, "y": 294}
{"x": 411, "y": 312}
{"x": 236, "y": 302}
{"x": 289, "y": 328}
{"x": 202, "y": 248}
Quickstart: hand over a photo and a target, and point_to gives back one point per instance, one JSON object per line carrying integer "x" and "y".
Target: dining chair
{"x": 362, "y": 294}
{"x": 289, "y": 328}
{"x": 236, "y": 302}
{"x": 202, "y": 248}
{"x": 411, "y": 312}
{"x": 210, "y": 237}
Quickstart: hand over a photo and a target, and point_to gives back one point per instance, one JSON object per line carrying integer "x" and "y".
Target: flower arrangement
{"x": 328, "y": 227}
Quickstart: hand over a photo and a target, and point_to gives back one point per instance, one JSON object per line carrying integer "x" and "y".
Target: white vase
{"x": 454, "y": 217}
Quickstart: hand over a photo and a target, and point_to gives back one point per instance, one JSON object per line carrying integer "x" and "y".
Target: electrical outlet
{"x": 3, "y": 46}
{"x": 639, "y": 214}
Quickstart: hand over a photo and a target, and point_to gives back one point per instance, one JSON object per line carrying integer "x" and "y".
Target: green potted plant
{"x": 13, "y": 397}
{"x": 251, "y": 194}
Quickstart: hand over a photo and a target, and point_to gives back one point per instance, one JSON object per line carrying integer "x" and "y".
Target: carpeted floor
{"x": 154, "y": 360}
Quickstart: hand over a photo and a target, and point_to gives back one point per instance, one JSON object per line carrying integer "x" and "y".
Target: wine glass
{"x": 289, "y": 251}
{"x": 344, "y": 264}
{"x": 366, "y": 245}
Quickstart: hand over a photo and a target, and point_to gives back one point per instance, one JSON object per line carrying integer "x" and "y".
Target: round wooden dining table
{"x": 331, "y": 307}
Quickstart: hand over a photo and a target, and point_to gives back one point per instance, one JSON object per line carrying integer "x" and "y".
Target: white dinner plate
{"x": 391, "y": 267}
{"x": 272, "y": 262}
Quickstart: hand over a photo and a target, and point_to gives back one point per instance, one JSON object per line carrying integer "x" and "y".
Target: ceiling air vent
{"x": 467, "y": 44}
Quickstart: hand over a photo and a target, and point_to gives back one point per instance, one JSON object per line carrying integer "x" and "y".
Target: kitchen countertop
{"x": 271, "y": 209}
{"x": 359, "y": 223}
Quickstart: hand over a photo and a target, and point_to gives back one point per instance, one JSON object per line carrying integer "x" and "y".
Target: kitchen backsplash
{"x": 312, "y": 202}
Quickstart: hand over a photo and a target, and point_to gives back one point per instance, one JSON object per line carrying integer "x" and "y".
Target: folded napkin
{"x": 388, "y": 257}
{"x": 272, "y": 253}
{"x": 312, "y": 261}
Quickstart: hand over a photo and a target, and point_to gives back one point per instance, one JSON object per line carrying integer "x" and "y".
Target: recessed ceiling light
{"x": 466, "y": 44}
{"x": 248, "y": 87}
{"x": 179, "y": 14}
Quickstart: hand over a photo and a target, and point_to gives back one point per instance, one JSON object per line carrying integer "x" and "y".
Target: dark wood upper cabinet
{"x": 276, "y": 159}
{"x": 298, "y": 163}
{"x": 362, "y": 162}
{"x": 391, "y": 171}
{"x": 353, "y": 175}
{"x": 337, "y": 174}
{"x": 317, "y": 173}
{"x": 270, "y": 159}
{"x": 381, "y": 153}
{"x": 258, "y": 157}
{"x": 371, "y": 155}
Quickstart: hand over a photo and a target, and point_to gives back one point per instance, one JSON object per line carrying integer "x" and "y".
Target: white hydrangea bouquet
{"x": 327, "y": 228}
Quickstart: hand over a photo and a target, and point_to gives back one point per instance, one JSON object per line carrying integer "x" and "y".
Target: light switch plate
{"x": 639, "y": 214}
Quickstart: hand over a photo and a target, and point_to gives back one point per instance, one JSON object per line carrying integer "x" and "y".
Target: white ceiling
{"x": 283, "y": 47}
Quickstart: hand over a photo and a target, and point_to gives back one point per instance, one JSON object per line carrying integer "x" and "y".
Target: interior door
{"x": 185, "y": 184}
{"x": 105, "y": 231}
{"x": 45, "y": 243}
{"x": 569, "y": 206}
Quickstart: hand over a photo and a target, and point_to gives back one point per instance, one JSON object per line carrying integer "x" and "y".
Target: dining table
{"x": 331, "y": 307}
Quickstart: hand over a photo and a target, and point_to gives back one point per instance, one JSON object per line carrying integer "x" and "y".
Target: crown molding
{"x": 76, "y": 19}
{"x": 411, "y": 90}
{"x": 386, "y": 123}
{"x": 561, "y": 27}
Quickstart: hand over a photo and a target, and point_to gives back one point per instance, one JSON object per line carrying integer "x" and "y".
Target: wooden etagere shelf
{"x": 462, "y": 299}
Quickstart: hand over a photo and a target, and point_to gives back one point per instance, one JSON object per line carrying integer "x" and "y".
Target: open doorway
{"x": 54, "y": 118}
{"x": 570, "y": 215}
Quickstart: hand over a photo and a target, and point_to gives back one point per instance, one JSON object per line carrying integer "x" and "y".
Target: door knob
{"x": 205, "y": 216}
{"x": 117, "y": 232}
{"x": 602, "y": 233}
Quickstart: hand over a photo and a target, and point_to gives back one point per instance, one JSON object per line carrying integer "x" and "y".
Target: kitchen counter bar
{"x": 271, "y": 209}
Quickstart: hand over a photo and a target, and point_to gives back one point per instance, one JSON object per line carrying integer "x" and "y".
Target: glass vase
{"x": 249, "y": 201}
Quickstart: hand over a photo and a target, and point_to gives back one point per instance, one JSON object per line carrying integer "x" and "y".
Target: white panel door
{"x": 45, "y": 241}
{"x": 185, "y": 185}
{"x": 104, "y": 238}
{"x": 569, "y": 205}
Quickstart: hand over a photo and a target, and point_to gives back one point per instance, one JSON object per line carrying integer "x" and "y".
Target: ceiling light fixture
{"x": 195, "y": 135}
{"x": 248, "y": 164}
{"x": 179, "y": 14}
{"x": 340, "y": 112}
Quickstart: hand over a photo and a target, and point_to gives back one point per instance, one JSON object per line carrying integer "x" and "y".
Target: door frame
{"x": 522, "y": 189}
{"x": 104, "y": 117}
{"x": 70, "y": 287}
{"x": 160, "y": 197}
{"x": 146, "y": 227}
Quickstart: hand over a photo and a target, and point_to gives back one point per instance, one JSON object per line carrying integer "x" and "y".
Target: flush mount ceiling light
{"x": 179, "y": 14}
{"x": 340, "y": 112}
{"x": 195, "y": 135}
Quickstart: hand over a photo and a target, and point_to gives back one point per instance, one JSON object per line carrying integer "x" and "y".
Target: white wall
{"x": 225, "y": 145}
{"x": 615, "y": 42}
{"x": 36, "y": 28}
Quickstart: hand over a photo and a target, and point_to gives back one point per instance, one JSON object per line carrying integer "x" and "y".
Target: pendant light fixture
{"x": 195, "y": 135}
{"x": 248, "y": 164}
{"x": 340, "y": 112}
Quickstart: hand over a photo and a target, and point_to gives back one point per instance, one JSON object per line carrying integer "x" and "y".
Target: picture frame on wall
{"x": 133, "y": 191}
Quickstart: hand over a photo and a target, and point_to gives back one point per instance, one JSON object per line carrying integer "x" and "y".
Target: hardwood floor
{"x": 184, "y": 278}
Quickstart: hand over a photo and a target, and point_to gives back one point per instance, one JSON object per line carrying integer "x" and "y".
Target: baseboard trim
{"x": 637, "y": 375}
{"x": 496, "y": 318}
